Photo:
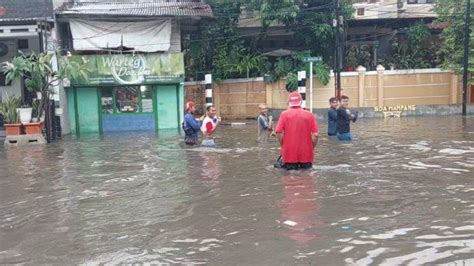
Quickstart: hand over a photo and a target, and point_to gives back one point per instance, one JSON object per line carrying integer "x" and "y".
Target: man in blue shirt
{"x": 344, "y": 118}
{"x": 191, "y": 125}
{"x": 332, "y": 116}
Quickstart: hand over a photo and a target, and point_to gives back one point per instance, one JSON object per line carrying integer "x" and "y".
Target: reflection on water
{"x": 300, "y": 207}
{"x": 401, "y": 193}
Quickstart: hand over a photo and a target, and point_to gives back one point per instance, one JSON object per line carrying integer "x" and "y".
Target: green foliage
{"x": 35, "y": 105}
{"x": 283, "y": 66}
{"x": 282, "y": 11}
{"x": 219, "y": 49}
{"x": 8, "y": 109}
{"x": 291, "y": 82}
{"x": 453, "y": 12}
{"x": 414, "y": 51}
{"x": 39, "y": 75}
{"x": 321, "y": 71}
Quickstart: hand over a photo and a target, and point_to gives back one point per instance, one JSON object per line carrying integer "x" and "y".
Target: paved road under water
{"x": 401, "y": 193}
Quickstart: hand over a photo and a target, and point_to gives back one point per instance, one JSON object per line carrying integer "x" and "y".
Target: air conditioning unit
{"x": 402, "y": 5}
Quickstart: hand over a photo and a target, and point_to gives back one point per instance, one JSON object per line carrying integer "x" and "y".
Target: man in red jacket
{"x": 297, "y": 131}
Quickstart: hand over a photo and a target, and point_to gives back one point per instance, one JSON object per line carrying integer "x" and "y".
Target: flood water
{"x": 401, "y": 193}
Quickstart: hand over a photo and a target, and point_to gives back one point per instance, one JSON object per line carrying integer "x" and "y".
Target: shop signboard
{"x": 129, "y": 69}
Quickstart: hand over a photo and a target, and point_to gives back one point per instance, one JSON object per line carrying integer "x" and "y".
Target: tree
{"x": 452, "y": 12}
{"x": 417, "y": 50}
{"x": 219, "y": 48}
{"x": 39, "y": 74}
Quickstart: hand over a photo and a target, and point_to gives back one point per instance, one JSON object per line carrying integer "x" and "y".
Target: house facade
{"x": 25, "y": 26}
{"x": 372, "y": 28}
{"x": 133, "y": 64}
{"x": 376, "y": 23}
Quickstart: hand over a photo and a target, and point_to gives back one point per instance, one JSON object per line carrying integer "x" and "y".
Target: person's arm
{"x": 354, "y": 116}
{"x": 263, "y": 124}
{"x": 332, "y": 114}
{"x": 343, "y": 113}
{"x": 192, "y": 123}
{"x": 280, "y": 128}
{"x": 314, "y": 139}
{"x": 280, "y": 137}
{"x": 314, "y": 132}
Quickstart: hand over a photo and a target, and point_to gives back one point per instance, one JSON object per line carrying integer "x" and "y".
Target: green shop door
{"x": 86, "y": 113}
{"x": 167, "y": 97}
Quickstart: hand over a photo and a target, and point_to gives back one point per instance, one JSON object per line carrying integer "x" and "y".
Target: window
{"x": 421, "y": 1}
{"x": 127, "y": 99}
{"x": 360, "y": 11}
{"x": 23, "y": 44}
{"x": 147, "y": 99}
{"x": 107, "y": 101}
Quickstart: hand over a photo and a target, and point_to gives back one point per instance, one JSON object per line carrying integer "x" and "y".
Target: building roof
{"x": 25, "y": 10}
{"x": 418, "y": 11}
{"x": 135, "y": 8}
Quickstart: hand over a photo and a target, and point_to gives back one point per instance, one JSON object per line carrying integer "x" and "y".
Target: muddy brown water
{"x": 401, "y": 193}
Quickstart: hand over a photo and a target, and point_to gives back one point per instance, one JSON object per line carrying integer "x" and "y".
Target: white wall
{"x": 15, "y": 87}
{"x": 175, "y": 37}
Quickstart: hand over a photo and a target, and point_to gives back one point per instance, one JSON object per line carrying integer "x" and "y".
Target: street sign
{"x": 312, "y": 59}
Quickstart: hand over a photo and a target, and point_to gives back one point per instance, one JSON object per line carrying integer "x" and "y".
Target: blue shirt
{"x": 332, "y": 122}
{"x": 343, "y": 121}
{"x": 191, "y": 128}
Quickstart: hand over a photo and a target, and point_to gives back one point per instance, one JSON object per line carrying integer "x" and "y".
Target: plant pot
{"x": 33, "y": 128}
{"x": 25, "y": 114}
{"x": 12, "y": 129}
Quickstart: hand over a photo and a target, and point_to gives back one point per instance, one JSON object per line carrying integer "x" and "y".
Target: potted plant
{"x": 34, "y": 111}
{"x": 33, "y": 128}
{"x": 8, "y": 109}
{"x": 40, "y": 76}
{"x": 24, "y": 114}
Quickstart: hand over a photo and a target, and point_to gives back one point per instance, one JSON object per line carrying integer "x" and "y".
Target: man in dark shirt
{"x": 344, "y": 118}
{"x": 332, "y": 116}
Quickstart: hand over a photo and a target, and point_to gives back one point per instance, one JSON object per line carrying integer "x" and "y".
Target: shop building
{"x": 134, "y": 66}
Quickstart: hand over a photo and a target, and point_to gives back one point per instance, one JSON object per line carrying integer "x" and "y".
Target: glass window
{"x": 127, "y": 99}
{"x": 147, "y": 99}
{"x": 107, "y": 101}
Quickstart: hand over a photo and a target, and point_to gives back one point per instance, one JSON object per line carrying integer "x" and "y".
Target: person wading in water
{"x": 191, "y": 125}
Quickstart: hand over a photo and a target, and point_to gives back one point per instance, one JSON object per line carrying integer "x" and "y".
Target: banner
{"x": 143, "y": 36}
{"x": 130, "y": 69}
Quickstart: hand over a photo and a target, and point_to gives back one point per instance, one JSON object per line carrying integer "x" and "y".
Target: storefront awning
{"x": 146, "y": 36}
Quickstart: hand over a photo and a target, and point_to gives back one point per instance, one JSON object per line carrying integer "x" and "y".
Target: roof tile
{"x": 138, "y": 8}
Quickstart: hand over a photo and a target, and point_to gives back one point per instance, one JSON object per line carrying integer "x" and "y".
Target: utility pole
{"x": 338, "y": 51}
{"x": 467, "y": 23}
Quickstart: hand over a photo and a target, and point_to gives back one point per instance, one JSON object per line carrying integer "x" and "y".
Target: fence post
{"x": 208, "y": 79}
{"x": 454, "y": 89}
{"x": 269, "y": 94}
{"x": 380, "y": 86}
{"x": 302, "y": 86}
{"x": 361, "y": 71}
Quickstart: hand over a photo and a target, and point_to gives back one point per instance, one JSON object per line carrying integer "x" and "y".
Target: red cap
{"x": 189, "y": 105}
{"x": 294, "y": 99}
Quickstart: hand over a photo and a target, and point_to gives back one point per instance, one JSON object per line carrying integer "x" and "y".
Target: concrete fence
{"x": 239, "y": 98}
{"x": 234, "y": 98}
